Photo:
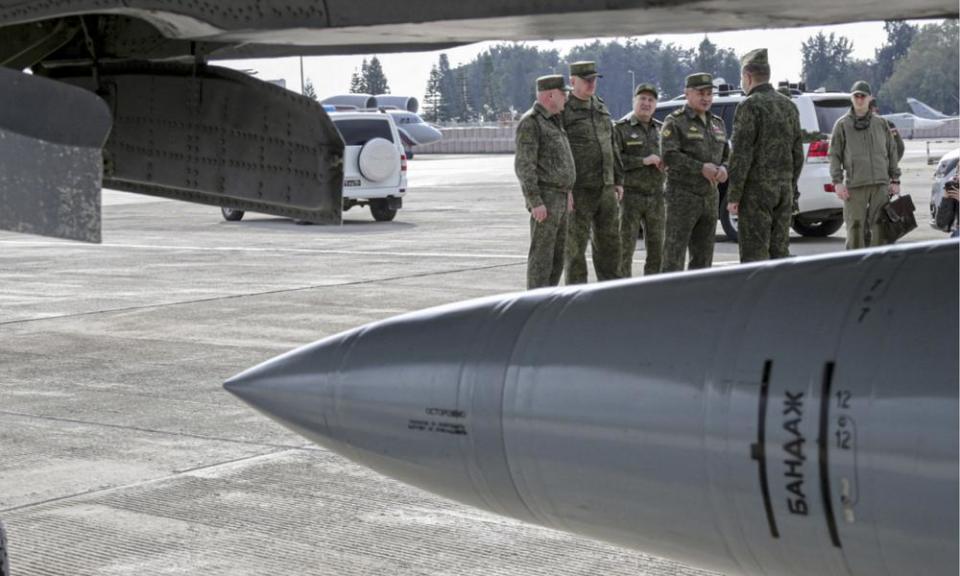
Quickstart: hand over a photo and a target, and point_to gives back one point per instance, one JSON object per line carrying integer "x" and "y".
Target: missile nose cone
{"x": 294, "y": 389}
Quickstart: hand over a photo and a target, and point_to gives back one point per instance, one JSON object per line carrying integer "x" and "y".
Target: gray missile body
{"x": 789, "y": 418}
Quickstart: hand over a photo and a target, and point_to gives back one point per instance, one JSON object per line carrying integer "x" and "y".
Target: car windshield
{"x": 829, "y": 111}
{"x": 359, "y": 131}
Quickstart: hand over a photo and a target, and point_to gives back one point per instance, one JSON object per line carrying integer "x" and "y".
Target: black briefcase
{"x": 896, "y": 218}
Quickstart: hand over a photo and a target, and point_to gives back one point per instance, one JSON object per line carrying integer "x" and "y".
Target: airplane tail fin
{"x": 924, "y": 111}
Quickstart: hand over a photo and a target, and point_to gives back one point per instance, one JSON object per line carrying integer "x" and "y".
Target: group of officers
{"x": 587, "y": 178}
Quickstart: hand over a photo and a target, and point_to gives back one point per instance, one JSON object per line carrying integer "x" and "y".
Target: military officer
{"x": 599, "y": 180}
{"x": 544, "y": 165}
{"x": 638, "y": 142}
{"x": 766, "y": 163}
{"x": 694, "y": 148}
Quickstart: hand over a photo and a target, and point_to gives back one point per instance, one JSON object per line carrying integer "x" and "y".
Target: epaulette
{"x": 600, "y": 99}
{"x": 657, "y": 122}
{"x": 677, "y": 112}
{"x": 623, "y": 120}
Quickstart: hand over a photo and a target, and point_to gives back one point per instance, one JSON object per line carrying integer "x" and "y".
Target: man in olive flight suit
{"x": 544, "y": 166}
{"x": 863, "y": 167}
{"x": 599, "y": 180}
{"x": 694, "y": 148}
{"x": 766, "y": 163}
{"x": 638, "y": 142}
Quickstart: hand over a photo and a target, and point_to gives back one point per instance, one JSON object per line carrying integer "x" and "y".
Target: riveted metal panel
{"x": 216, "y": 136}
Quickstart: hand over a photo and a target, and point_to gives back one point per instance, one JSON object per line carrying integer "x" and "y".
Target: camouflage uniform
{"x": 687, "y": 143}
{"x": 544, "y": 166}
{"x": 590, "y": 131}
{"x": 764, "y": 168}
{"x": 642, "y": 193}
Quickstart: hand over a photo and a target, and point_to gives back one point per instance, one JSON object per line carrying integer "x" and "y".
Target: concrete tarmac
{"x": 120, "y": 453}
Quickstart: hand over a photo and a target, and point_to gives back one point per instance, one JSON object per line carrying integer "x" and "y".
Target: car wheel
{"x": 231, "y": 214}
{"x": 382, "y": 212}
{"x": 817, "y": 229}
{"x": 729, "y": 222}
{"x": 379, "y": 160}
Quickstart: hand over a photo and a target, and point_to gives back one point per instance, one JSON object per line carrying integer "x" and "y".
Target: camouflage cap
{"x": 584, "y": 69}
{"x": 551, "y": 82}
{"x": 699, "y": 80}
{"x": 860, "y": 87}
{"x": 756, "y": 59}
{"x": 646, "y": 87}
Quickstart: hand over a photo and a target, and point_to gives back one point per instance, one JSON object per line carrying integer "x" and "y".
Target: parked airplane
{"x": 138, "y": 71}
{"x": 804, "y": 424}
{"x": 908, "y": 123}
{"x": 408, "y": 103}
{"x": 357, "y": 101}
{"x": 413, "y": 130}
{"x": 924, "y": 111}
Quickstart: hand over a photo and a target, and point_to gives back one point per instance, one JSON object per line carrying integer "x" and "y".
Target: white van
{"x": 374, "y": 164}
{"x": 821, "y": 212}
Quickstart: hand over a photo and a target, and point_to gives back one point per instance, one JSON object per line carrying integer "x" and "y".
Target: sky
{"x": 407, "y": 72}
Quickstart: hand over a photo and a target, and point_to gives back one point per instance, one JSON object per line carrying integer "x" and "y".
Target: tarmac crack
{"x": 175, "y": 475}
{"x": 264, "y": 293}
{"x": 153, "y": 431}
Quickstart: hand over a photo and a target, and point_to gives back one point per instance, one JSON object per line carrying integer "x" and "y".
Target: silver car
{"x": 945, "y": 172}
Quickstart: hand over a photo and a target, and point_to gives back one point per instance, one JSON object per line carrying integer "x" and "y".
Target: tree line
{"x": 500, "y": 81}
{"x": 917, "y": 61}
{"x": 370, "y": 79}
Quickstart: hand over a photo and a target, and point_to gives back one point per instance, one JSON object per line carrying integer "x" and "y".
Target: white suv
{"x": 821, "y": 212}
{"x": 374, "y": 164}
